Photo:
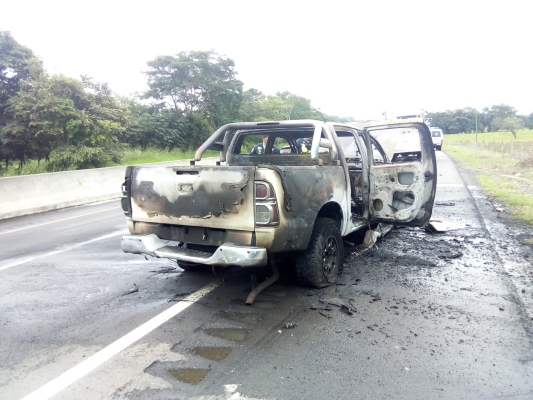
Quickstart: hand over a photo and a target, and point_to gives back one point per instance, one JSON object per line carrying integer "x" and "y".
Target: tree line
{"x": 79, "y": 123}
{"x": 499, "y": 117}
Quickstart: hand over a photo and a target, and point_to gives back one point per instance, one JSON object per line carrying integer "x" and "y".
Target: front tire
{"x": 321, "y": 264}
{"x": 439, "y": 147}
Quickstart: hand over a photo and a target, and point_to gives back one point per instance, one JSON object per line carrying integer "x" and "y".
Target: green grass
{"x": 523, "y": 135}
{"x": 136, "y": 156}
{"x": 508, "y": 178}
{"x": 130, "y": 157}
{"x": 29, "y": 168}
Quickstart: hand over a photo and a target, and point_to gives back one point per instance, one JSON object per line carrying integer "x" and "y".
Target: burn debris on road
{"x": 445, "y": 203}
{"x": 450, "y": 254}
{"x": 434, "y": 227}
{"x": 371, "y": 237}
{"x": 179, "y": 296}
{"x": 346, "y": 310}
{"x": 320, "y": 307}
{"x": 375, "y": 297}
{"x": 346, "y": 307}
{"x": 168, "y": 270}
{"x": 325, "y": 314}
{"x": 133, "y": 289}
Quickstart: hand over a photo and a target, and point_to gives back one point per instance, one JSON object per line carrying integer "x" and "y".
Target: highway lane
{"x": 35, "y": 235}
{"x": 422, "y": 337}
{"x": 70, "y": 291}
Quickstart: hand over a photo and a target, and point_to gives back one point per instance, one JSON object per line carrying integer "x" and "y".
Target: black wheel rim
{"x": 329, "y": 258}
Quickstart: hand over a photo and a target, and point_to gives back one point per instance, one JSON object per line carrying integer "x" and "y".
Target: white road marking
{"x": 96, "y": 203}
{"x": 51, "y": 253}
{"x": 59, "y": 220}
{"x": 74, "y": 374}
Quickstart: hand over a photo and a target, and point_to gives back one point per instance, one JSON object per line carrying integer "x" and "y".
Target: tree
{"x": 456, "y": 121}
{"x": 336, "y": 118}
{"x": 283, "y": 106}
{"x": 528, "y": 120}
{"x": 251, "y": 105}
{"x": 501, "y": 111}
{"x": 511, "y": 124}
{"x": 198, "y": 129}
{"x": 196, "y": 82}
{"x": 155, "y": 126}
{"x": 17, "y": 63}
{"x": 75, "y": 121}
{"x": 298, "y": 107}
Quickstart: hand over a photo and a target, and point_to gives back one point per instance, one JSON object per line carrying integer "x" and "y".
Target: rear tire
{"x": 321, "y": 264}
{"x": 439, "y": 147}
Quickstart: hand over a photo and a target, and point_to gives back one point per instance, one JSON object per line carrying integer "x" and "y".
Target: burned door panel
{"x": 215, "y": 197}
{"x": 403, "y": 191}
{"x": 391, "y": 199}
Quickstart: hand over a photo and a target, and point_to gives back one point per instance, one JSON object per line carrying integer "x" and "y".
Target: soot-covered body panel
{"x": 214, "y": 197}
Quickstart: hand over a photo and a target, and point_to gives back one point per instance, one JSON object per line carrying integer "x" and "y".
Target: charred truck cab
{"x": 252, "y": 205}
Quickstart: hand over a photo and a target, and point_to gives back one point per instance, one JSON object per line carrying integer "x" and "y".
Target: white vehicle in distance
{"x": 438, "y": 137}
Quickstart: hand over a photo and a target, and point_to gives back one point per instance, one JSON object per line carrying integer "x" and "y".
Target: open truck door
{"x": 402, "y": 173}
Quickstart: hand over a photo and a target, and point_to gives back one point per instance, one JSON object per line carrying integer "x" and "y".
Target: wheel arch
{"x": 333, "y": 211}
{"x": 302, "y": 229}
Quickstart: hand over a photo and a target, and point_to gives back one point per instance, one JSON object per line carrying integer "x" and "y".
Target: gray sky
{"x": 350, "y": 58}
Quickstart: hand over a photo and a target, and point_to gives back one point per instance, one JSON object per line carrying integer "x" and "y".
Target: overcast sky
{"x": 350, "y": 58}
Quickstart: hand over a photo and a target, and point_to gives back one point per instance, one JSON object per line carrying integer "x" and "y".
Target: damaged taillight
{"x": 126, "y": 193}
{"x": 266, "y": 205}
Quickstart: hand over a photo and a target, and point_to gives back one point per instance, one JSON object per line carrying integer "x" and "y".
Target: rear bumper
{"x": 226, "y": 254}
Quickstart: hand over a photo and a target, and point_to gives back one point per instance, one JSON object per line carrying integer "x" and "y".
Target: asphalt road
{"x": 435, "y": 316}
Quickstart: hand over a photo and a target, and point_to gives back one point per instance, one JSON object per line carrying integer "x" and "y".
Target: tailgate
{"x": 213, "y": 197}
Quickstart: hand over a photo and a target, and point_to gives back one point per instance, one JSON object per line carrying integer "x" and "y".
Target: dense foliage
{"x": 466, "y": 120}
{"x": 78, "y": 123}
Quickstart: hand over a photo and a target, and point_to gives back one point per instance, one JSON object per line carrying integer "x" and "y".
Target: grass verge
{"x": 508, "y": 179}
{"x": 522, "y": 135}
{"x": 136, "y": 156}
{"x": 129, "y": 157}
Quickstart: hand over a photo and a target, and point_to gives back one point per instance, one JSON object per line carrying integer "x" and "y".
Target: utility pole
{"x": 476, "y": 127}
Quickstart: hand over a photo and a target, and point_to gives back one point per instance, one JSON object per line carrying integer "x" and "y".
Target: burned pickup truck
{"x": 288, "y": 188}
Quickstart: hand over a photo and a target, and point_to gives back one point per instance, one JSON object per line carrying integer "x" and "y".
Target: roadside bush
{"x": 84, "y": 157}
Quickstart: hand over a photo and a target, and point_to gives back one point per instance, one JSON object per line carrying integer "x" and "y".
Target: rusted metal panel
{"x": 213, "y": 197}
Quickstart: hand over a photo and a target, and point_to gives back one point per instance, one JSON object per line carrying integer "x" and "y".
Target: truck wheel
{"x": 439, "y": 147}
{"x": 321, "y": 263}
